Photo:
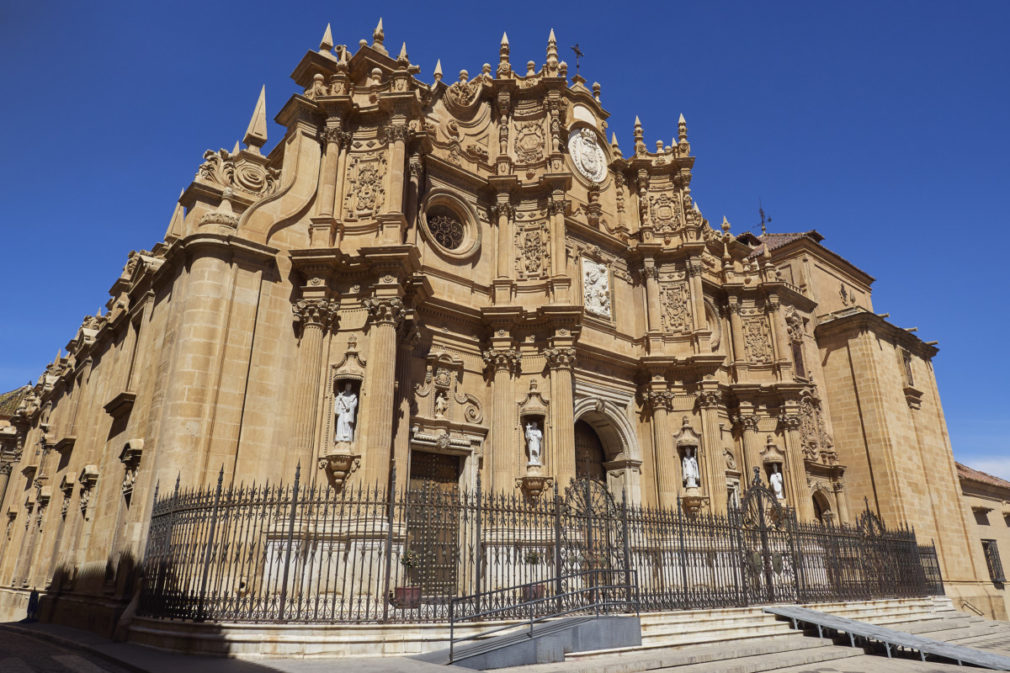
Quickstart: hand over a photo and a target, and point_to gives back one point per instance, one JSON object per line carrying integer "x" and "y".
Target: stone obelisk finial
{"x": 256, "y": 133}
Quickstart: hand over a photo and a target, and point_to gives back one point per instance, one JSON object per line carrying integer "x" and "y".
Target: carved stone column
{"x": 739, "y": 347}
{"x": 385, "y": 313}
{"x": 315, "y": 316}
{"x": 556, "y": 213}
{"x": 668, "y": 479}
{"x": 560, "y": 361}
{"x": 504, "y": 212}
{"x": 780, "y": 338}
{"x": 505, "y": 453}
{"x": 751, "y": 445}
{"x": 841, "y": 502}
{"x": 650, "y": 277}
{"x": 5, "y": 474}
{"x": 794, "y": 450}
{"x": 697, "y": 294}
{"x": 392, "y": 221}
{"x": 330, "y": 137}
{"x": 709, "y": 401}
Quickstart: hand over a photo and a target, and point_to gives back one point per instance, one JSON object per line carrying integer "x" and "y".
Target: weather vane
{"x": 765, "y": 221}
{"x": 578, "y": 56}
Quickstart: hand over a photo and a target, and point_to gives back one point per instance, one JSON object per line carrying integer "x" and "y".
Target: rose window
{"x": 448, "y": 231}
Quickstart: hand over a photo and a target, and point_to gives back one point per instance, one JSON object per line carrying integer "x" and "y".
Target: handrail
{"x": 630, "y": 586}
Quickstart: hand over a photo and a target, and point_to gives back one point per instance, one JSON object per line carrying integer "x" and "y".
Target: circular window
{"x": 449, "y": 224}
{"x": 446, "y": 230}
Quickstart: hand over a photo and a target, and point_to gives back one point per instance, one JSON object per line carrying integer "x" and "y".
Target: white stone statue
{"x": 776, "y": 481}
{"x": 689, "y": 466}
{"x": 344, "y": 407}
{"x": 534, "y": 440}
{"x": 441, "y": 405}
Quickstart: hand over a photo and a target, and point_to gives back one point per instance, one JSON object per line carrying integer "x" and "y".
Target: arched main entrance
{"x": 589, "y": 454}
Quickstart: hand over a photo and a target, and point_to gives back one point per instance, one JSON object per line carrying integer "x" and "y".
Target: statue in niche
{"x": 534, "y": 442}
{"x": 776, "y": 481}
{"x": 344, "y": 407}
{"x": 689, "y": 467}
{"x": 441, "y": 404}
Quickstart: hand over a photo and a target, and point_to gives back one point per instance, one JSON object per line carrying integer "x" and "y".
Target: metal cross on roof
{"x": 578, "y": 56}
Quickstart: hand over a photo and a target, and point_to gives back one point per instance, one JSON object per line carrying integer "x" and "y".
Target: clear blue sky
{"x": 884, "y": 125}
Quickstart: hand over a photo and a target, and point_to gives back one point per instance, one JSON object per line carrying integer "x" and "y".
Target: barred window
{"x": 447, "y": 230}
{"x": 992, "y": 561}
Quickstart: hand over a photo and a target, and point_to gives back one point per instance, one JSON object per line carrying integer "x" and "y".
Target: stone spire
{"x": 438, "y": 70}
{"x": 176, "y": 227}
{"x": 552, "y": 55}
{"x": 639, "y": 137}
{"x": 326, "y": 45}
{"x": 403, "y": 58}
{"x": 615, "y": 147}
{"x": 682, "y": 129}
{"x": 256, "y": 133}
{"x": 377, "y": 37}
{"x": 504, "y": 67}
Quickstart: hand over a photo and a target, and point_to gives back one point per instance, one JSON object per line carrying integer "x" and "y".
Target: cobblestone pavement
{"x": 24, "y": 654}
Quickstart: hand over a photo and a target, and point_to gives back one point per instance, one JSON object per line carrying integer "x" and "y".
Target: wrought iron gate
{"x": 768, "y": 557}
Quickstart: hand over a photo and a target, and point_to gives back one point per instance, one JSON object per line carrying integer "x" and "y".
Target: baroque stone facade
{"x": 422, "y": 274}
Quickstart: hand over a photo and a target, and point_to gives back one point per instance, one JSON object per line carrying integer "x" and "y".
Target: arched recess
{"x": 822, "y": 507}
{"x": 622, "y": 453}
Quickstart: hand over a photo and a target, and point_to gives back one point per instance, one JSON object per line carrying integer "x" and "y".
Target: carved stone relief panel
{"x": 665, "y": 211}
{"x": 532, "y": 249}
{"x": 755, "y": 334}
{"x": 587, "y": 155}
{"x": 529, "y": 143}
{"x": 365, "y": 191}
{"x": 596, "y": 288}
{"x": 675, "y": 304}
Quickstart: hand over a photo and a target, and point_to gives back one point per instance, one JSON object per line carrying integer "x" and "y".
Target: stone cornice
{"x": 859, "y": 319}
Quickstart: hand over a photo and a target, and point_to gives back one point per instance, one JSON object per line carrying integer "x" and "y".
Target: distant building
{"x": 465, "y": 278}
{"x": 988, "y": 498}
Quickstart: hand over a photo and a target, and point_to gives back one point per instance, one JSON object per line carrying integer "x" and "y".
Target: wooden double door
{"x": 433, "y": 516}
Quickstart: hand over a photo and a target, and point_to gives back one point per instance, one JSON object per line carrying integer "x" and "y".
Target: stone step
{"x": 757, "y": 664}
{"x": 627, "y": 660}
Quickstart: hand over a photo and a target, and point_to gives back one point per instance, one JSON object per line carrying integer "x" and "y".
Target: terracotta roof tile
{"x": 775, "y": 241}
{"x": 11, "y": 400}
{"x": 971, "y": 474}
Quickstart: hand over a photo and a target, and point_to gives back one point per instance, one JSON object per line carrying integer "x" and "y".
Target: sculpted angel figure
{"x": 344, "y": 407}
{"x": 689, "y": 466}
{"x": 534, "y": 440}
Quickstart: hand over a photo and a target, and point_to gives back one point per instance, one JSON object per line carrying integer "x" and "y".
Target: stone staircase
{"x": 748, "y": 640}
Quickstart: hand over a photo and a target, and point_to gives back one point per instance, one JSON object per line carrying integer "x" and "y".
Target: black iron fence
{"x": 297, "y": 554}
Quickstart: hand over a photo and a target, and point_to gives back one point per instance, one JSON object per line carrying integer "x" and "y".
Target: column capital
{"x": 709, "y": 399}
{"x": 748, "y": 422}
{"x": 659, "y": 399}
{"x": 385, "y": 310}
{"x": 502, "y": 359}
{"x": 560, "y": 357}
{"x": 320, "y": 313}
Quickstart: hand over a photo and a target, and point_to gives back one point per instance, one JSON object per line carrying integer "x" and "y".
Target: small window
{"x": 981, "y": 516}
{"x": 992, "y": 561}
{"x": 1006, "y": 518}
{"x": 905, "y": 359}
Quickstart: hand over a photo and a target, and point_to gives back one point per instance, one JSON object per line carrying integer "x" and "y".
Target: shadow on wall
{"x": 96, "y": 597}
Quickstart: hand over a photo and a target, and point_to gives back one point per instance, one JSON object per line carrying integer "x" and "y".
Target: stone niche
{"x": 533, "y": 409}
{"x": 773, "y": 461}
{"x": 339, "y": 457}
{"x": 447, "y": 419}
{"x": 688, "y": 444}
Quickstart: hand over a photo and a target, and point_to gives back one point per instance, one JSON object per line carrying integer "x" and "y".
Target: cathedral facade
{"x": 467, "y": 280}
